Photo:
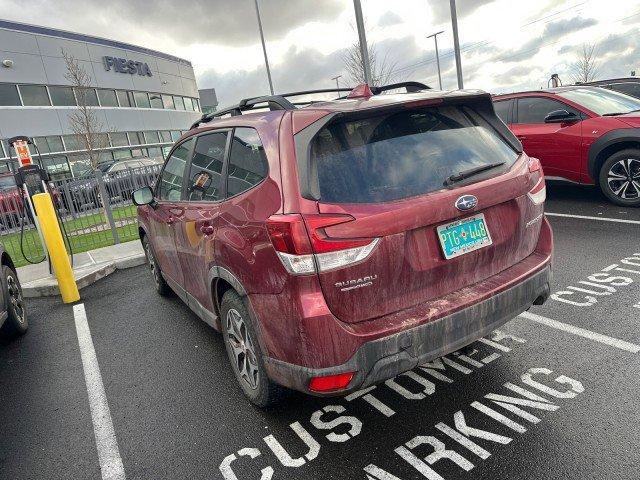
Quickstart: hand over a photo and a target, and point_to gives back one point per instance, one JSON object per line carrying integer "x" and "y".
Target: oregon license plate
{"x": 464, "y": 236}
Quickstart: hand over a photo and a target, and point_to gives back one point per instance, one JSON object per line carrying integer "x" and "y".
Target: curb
{"x": 85, "y": 276}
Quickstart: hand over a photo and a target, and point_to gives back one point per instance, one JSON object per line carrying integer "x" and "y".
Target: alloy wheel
{"x": 244, "y": 353}
{"x": 624, "y": 179}
{"x": 15, "y": 299}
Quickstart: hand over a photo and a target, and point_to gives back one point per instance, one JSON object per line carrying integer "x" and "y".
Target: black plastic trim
{"x": 605, "y": 141}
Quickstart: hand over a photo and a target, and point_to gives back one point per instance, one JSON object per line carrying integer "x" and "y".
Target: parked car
{"x": 628, "y": 86}
{"x": 121, "y": 178}
{"x": 10, "y": 200}
{"x": 343, "y": 243}
{"x": 13, "y": 314}
{"x": 585, "y": 135}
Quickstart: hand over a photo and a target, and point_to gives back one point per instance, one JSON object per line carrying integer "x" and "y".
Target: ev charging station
{"x": 33, "y": 182}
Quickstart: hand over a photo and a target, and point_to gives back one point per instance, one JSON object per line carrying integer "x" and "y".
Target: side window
{"x": 205, "y": 177}
{"x": 535, "y": 109}
{"x": 247, "y": 161}
{"x": 503, "y": 110}
{"x": 170, "y": 181}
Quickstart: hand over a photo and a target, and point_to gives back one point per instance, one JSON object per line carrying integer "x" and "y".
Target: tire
{"x": 162, "y": 287}
{"x": 244, "y": 353}
{"x": 619, "y": 178}
{"x": 16, "y": 322}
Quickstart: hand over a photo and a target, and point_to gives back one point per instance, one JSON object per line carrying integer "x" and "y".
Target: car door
{"x": 242, "y": 241}
{"x": 167, "y": 212}
{"x": 196, "y": 227}
{"x": 557, "y": 145}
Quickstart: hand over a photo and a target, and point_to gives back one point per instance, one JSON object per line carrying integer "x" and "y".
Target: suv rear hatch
{"x": 387, "y": 182}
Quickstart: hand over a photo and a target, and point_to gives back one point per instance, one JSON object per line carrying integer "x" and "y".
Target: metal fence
{"x": 95, "y": 211}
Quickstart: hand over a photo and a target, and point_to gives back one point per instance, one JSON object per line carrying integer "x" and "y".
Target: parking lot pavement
{"x": 535, "y": 400}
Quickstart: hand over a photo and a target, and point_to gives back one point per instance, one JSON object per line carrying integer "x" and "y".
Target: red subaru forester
{"x": 340, "y": 243}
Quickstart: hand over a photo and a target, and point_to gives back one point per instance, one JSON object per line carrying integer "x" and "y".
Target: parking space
{"x": 537, "y": 399}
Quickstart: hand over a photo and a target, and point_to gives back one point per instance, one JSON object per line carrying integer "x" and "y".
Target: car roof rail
{"x": 280, "y": 102}
{"x": 410, "y": 87}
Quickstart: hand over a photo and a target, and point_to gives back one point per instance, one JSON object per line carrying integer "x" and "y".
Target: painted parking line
{"x": 581, "y": 332}
{"x": 586, "y": 217}
{"x": 111, "y": 466}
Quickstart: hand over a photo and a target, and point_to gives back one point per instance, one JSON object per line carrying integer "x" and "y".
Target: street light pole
{"x": 435, "y": 38}
{"x": 336, "y": 79}
{"x": 264, "y": 48}
{"x": 456, "y": 42}
{"x": 362, "y": 39}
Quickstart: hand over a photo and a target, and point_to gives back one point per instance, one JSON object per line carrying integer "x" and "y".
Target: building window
{"x": 51, "y": 144}
{"x": 3, "y": 153}
{"x": 196, "y": 104}
{"x": 142, "y": 99}
{"x": 9, "y": 95}
{"x": 62, "y": 96}
{"x": 152, "y": 137}
{"x": 165, "y": 136}
{"x": 119, "y": 139}
{"x": 125, "y": 98}
{"x": 175, "y": 135}
{"x": 188, "y": 104}
{"x": 120, "y": 154}
{"x": 34, "y": 96}
{"x": 73, "y": 142}
{"x": 136, "y": 138}
{"x": 57, "y": 167}
{"x": 167, "y": 101}
{"x": 105, "y": 157}
{"x": 107, "y": 98}
{"x": 86, "y": 96}
{"x": 138, "y": 152}
{"x": 156, "y": 100}
{"x": 155, "y": 153}
{"x": 179, "y": 103}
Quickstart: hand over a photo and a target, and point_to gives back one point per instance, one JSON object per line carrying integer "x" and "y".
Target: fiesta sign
{"x": 122, "y": 65}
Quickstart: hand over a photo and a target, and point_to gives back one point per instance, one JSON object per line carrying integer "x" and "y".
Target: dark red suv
{"x": 582, "y": 134}
{"x": 341, "y": 243}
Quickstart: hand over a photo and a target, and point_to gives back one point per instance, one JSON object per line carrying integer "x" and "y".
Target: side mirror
{"x": 561, "y": 116}
{"x": 143, "y": 196}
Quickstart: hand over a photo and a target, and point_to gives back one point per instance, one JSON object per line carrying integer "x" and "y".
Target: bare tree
{"x": 585, "y": 68}
{"x": 85, "y": 125}
{"x": 382, "y": 69}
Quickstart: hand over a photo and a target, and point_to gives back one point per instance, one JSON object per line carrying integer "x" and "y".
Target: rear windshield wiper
{"x": 470, "y": 173}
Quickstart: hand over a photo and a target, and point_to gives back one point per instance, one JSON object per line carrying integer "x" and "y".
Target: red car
{"x": 339, "y": 244}
{"x": 582, "y": 134}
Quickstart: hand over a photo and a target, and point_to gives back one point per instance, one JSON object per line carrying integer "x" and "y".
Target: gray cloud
{"x": 442, "y": 13}
{"x": 305, "y": 69}
{"x": 389, "y": 19}
{"x": 231, "y": 23}
{"x": 552, "y": 32}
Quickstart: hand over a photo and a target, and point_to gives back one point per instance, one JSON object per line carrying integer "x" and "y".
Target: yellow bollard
{"x": 55, "y": 245}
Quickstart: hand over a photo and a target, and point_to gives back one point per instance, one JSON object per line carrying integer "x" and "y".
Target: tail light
{"x": 304, "y": 247}
{"x": 330, "y": 383}
{"x": 538, "y": 194}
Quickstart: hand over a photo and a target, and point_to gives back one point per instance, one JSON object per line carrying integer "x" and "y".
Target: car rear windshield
{"x": 402, "y": 154}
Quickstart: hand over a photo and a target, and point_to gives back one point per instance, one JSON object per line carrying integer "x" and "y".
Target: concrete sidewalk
{"x": 88, "y": 268}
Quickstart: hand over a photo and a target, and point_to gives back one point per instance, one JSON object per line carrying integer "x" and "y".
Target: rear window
{"x": 402, "y": 154}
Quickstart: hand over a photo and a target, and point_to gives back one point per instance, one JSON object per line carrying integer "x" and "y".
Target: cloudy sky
{"x": 506, "y": 44}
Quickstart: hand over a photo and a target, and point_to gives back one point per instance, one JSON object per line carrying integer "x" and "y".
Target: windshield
{"x": 399, "y": 155}
{"x": 104, "y": 167}
{"x": 601, "y": 101}
{"x": 7, "y": 183}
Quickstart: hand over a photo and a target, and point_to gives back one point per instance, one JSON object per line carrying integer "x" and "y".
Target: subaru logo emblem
{"x": 466, "y": 202}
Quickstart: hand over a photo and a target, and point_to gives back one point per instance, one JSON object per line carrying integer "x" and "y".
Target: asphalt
{"x": 177, "y": 412}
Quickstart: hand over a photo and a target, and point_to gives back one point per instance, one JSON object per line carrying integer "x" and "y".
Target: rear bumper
{"x": 384, "y": 358}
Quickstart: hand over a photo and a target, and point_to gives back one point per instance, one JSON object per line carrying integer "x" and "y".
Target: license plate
{"x": 464, "y": 236}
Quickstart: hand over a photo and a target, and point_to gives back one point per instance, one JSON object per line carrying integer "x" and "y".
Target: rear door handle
{"x": 207, "y": 230}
